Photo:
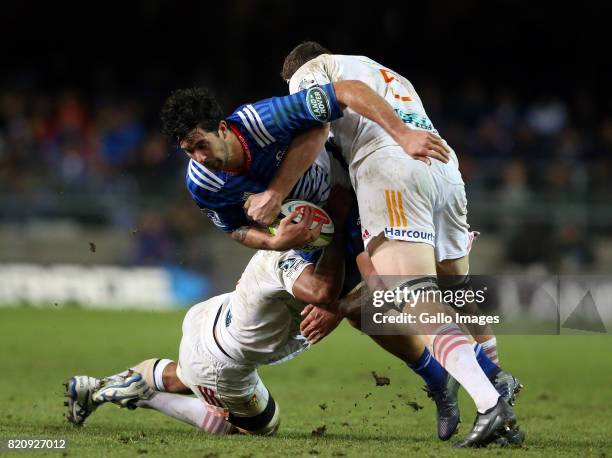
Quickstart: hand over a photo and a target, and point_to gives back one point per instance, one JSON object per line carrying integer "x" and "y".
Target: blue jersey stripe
{"x": 260, "y": 124}
{"x": 199, "y": 183}
{"x": 204, "y": 170}
{"x": 203, "y": 178}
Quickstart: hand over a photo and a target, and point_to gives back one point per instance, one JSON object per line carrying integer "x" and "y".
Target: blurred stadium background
{"x": 89, "y": 187}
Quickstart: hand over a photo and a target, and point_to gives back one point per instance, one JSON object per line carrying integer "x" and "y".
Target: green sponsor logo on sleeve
{"x": 318, "y": 104}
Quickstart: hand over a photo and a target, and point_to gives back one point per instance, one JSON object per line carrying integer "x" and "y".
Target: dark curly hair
{"x": 299, "y": 55}
{"x": 188, "y": 109}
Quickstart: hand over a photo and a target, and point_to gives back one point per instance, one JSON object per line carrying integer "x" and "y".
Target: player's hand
{"x": 318, "y": 323}
{"x": 264, "y": 207}
{"x": 291, "y": 235}
{"x": 423, "y": 145}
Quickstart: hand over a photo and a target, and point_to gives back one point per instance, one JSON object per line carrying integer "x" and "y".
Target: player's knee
{"x": 453, "y": 268}
{"x": 265, "y": 423}
{"x": 421, "y": 289}
{"x": 452, "y": 285}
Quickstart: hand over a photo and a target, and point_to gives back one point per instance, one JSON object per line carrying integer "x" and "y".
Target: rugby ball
{"x": 327, "y": 230}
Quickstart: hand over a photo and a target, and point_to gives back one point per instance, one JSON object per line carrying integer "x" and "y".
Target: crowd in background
{"x": 103, "y": 161}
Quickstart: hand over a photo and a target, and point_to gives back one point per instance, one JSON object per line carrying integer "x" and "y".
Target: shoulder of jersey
{"x": 253, "y": 122}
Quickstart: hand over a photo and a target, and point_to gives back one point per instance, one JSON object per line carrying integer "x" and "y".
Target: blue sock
{"x": 488, "y": 367}
{"x": 429, "y": 369}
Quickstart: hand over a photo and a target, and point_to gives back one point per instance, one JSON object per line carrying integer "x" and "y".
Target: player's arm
{"x": 321, "y": 284}
{"x": 303, "y": 151}
{"x": 320, "y": 321}
{"x": 360, "y": 98}
{"x": 350, "y": 305}
{"x": 232, "y": 220}
{"x": 288, "y": 234}
{"x": 253, "y": 237}
{"x": 305, "y": 117}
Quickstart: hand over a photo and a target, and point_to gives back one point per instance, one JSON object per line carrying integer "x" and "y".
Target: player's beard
{"x": 214, "y": 164}
{"x": 222, "y": 160}
{"x": 226, "y": 155}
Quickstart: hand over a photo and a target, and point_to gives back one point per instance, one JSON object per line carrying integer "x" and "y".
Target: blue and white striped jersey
{"x": 265, "y": 130}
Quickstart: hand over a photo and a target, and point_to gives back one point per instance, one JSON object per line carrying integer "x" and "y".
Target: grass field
{"x": 565, "y": 409}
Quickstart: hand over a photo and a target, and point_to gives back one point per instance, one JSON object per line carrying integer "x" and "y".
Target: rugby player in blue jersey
{"x": 236, "y": 156}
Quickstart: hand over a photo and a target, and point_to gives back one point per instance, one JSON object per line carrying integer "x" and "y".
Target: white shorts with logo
{"x": 405, "y": 199}
{"x": 213, "y": 376}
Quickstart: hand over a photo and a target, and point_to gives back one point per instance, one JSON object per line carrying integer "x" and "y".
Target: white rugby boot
{"x": 79, "y": 390}
{"x": 123, "y": 390}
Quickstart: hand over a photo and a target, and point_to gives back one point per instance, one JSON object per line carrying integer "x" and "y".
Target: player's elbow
{"x": 324, "y": 293}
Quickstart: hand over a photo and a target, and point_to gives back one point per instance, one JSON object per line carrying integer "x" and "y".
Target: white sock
{"x": 158, "y": 374}
{"x": 455, "y": 353}
{"x": 189, "y": 410}
{"x": 490, "y": 348}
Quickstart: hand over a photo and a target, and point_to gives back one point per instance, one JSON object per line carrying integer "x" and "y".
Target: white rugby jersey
{"x": 355, "y": 135}
{"x": 261, "y": 321}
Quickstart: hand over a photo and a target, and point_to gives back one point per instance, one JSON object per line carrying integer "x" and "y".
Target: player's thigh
{"x": 190, "y": 348}
{"x": 453, "y": 237}
{"x": 396, "y": 196}
{"x": 395, "y": 259}
{"x": 197, "y": 368}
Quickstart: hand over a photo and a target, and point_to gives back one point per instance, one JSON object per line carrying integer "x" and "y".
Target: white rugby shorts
{"x": 405, "y": 199}
{"x": 213, "y": 376}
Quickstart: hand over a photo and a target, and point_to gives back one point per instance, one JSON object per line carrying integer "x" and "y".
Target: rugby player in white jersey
{"x": 413, "y": 212}
{"x": 227, "y": 337}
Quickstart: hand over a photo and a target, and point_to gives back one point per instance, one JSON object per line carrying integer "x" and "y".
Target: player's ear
{"x": 223, "y": 129}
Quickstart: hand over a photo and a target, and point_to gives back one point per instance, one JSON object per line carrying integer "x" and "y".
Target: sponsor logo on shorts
{"x": 253, "y": 402}
{"x": 395, "y": 208}
{"x": 396, "y": 233}
{"x": 365, "y": 235}
{"x": 318, "y": 104}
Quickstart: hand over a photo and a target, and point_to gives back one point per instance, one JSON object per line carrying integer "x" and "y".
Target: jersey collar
{"x": 245, "y": 147}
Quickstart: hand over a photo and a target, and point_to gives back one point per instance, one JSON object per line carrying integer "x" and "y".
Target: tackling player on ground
{"x": 224, "y": 340}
